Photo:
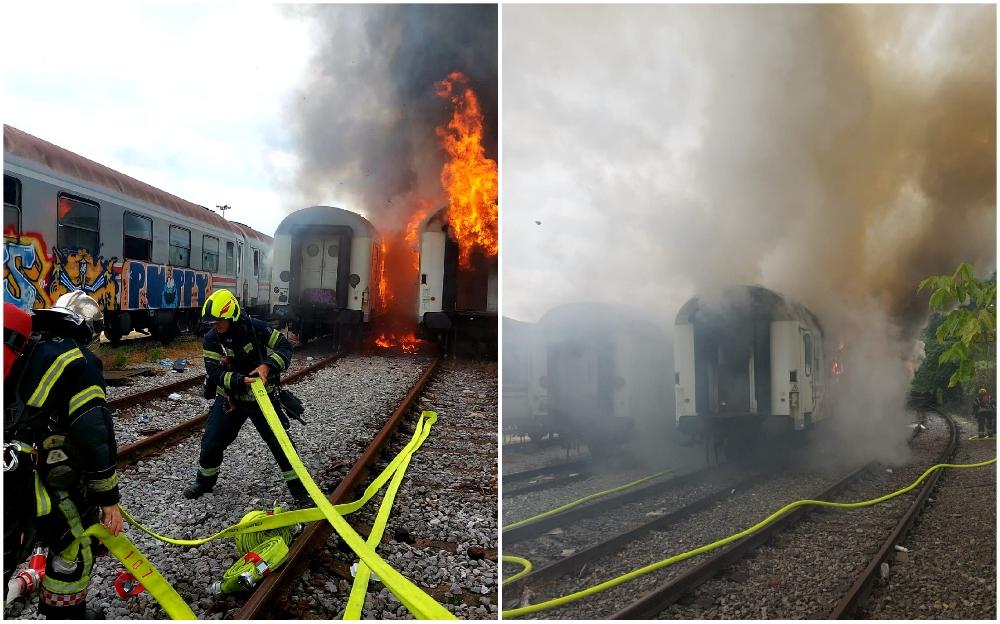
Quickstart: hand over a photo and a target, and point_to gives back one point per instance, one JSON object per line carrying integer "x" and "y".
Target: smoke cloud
{"x": 836, "y": 154}
{"x": 364, "y": 119}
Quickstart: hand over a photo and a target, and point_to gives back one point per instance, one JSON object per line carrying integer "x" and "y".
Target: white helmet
{"x": 77, "y": 311}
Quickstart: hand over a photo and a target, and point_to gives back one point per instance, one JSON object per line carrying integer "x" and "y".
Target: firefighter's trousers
{"x": 71, "y": 556}
{"x": 221, "y": 430}
{"x": 987, "y": 421}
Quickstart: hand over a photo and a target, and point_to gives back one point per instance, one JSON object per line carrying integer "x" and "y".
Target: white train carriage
{"x": 453, "y": 299}
{"x": 744, "y": 358}
{"x": 607, "y": 374}
{"x": 325, "y": 272}
{"x": 524, "y": 380}
{"x": 254, "y": 287}
{"x": 150, "y": 258}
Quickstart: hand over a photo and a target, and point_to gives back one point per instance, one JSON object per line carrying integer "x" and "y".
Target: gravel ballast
{"x": 442, "y": 531}
{"x": 345, "y": 405}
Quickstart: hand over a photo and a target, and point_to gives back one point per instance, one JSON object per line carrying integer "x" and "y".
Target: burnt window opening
{"x": 210, "y": 253}
{"x": 256, "y": 262}
{"x": 78, "y": 224}
{"x": 137, "y": 238}
{"x": 793, "y": 376}
{"x": 423, "y": 278}
{"x": 180, "y": 246}
{"x": 11, "y": 205}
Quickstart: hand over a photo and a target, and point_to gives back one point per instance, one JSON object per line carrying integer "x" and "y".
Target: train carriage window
{"x": 807, "y": 343}
{"x": 256, "y": 262}
{"x": 79, "y": 224}
{"x": 137, "y": 243}
{"x": 180, "y": 246}
{"x": 210, "y": 253}
{"x": 11, "y": 205}
{"x": 230, "y": 257}
{"x": 239, "y": 258}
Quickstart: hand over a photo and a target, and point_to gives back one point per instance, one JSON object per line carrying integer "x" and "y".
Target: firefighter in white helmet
{"x": 58, "y": 432}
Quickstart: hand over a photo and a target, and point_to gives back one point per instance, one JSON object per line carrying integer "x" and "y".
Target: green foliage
{"x": 156, "y": 354}
{"x": 968, "y": 327}
{"x": 121, "y": 359}
{"x": 932, "y": 376}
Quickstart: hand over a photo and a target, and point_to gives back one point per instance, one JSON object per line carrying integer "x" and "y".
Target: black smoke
{"x": 364, "y": 118}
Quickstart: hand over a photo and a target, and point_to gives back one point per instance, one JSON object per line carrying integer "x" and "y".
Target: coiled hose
{"x": 261, "y": 552}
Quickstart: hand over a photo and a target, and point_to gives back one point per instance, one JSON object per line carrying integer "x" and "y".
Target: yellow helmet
{"x": 220, "y": 305}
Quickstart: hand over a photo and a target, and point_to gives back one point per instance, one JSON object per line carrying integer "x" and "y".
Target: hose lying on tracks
{"x": 422, "y": 605}
{"x": 618, "y": 580}
{"x": 580, "y": 501}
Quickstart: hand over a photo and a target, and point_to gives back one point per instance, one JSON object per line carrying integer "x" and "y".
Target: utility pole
{"x": 223, "y": 209}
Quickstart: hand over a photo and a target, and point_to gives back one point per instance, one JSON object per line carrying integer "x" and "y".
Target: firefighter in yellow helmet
{"x": 237, "y": 350}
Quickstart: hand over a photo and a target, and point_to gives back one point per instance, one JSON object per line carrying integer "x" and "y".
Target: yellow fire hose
{"x": 422, "y": 605}
{"x": 618, "y": 580}
{"x": 578, "y": 502}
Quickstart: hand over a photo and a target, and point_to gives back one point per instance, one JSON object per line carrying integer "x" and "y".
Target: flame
{"x": 408, "y": 343}
{"x": 384, "y": 294}
{"x": 469, "y": 177}
{"x": 412, "y": 237}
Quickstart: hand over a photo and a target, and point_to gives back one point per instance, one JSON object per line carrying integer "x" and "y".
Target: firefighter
{"x": 59, "y": 439}
{"x": 985, "y": 410}
{"x": 237, "y": 350}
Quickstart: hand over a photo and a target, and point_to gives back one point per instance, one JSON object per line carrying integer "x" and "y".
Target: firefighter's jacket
{"x": 983, "y": 405}
{"x": 61, "y": 391}
{"x": 231, "y": 356}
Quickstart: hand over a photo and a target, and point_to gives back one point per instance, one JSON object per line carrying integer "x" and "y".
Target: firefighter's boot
{"x": 201, "y": 485}
{"x": 299, "y": 493}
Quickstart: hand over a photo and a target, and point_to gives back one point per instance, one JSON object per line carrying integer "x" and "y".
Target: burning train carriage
{"x": 150, "y": 258}
{"x": 607, "y": 372}
{"x": 457, "y": 299}
{"x": 324, "y": 262}
{"x": 524, "y": 380}
{"x": 744, "y": 359}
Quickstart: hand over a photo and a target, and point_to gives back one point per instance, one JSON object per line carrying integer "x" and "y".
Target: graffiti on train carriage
{"x": 34, "y": 279}
{"x": 26, "y": 268}
{"x": 76, "y": 269}
{"x": 150, "y": 285}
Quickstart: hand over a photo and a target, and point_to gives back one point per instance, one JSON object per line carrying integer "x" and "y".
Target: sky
{"x": 264, "y": 108}
{"x": 192, "y": 99}
{"x": 835, "y": 154}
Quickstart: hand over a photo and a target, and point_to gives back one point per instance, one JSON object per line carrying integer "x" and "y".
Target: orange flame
{"x": 412, "y": 237}
{"x": 407, "y": 344}
{"x": 469, "y": 177}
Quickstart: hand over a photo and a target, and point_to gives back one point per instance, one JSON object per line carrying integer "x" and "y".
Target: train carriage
{"x": 746, "y": 358}
{"x": 524, "y": 380}
{"x": 323, "y": 275}
{"x": 150, "y": 258}
{"x": 607, "y": 371}
{"x": 455, "y": 299}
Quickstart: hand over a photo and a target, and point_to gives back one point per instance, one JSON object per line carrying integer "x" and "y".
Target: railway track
{"x": 545, "y": 478}
{"x": 276, "y": 584}
{"x": 585, "y": 562}
{"x": 142, "y": 447}
{"x": 442, "y": 530}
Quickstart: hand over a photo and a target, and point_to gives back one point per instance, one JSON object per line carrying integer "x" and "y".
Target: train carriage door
{"x": 312, "y": 262}
{"x": 331, "y": 262}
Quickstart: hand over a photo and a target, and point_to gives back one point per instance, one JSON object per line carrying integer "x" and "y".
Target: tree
{"x": 931, "y": 378}
{"x": 969, "y": 327}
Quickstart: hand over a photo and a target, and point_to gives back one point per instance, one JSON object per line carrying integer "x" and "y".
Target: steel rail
{"x": 316, "y": 533}
{"x": 131, "y": 400}
{"x": 573, "y": 564}
{"x": 849, "y": 604}
{"x": 548, "y": 485}
{"x": 527, "y": 475}
{"x": 136, "y": 449}
{"x": 653, "y": 603}
{"x": 600, "y": 506}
